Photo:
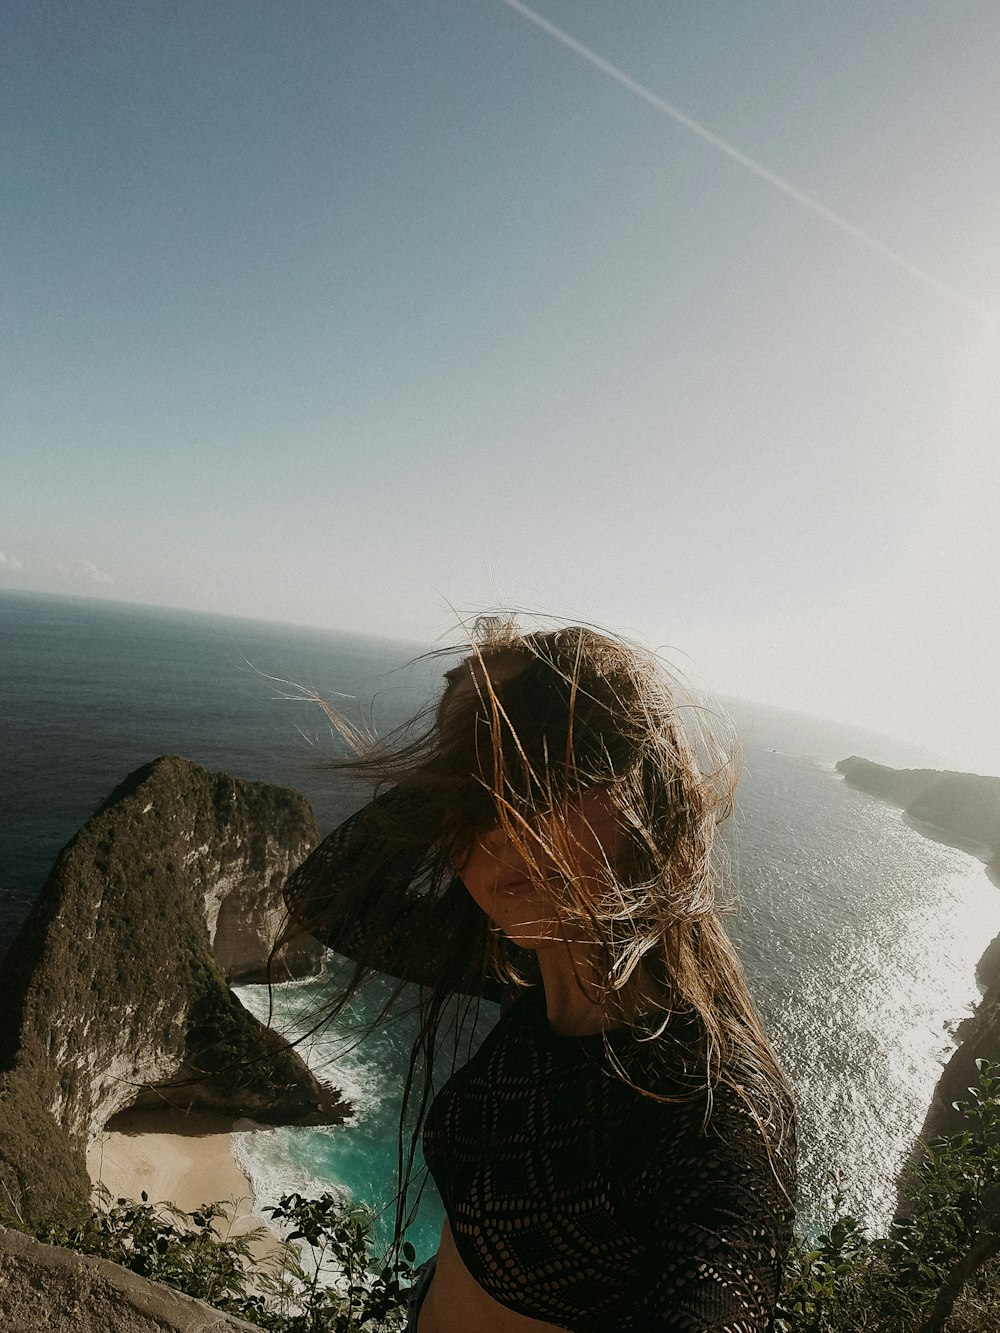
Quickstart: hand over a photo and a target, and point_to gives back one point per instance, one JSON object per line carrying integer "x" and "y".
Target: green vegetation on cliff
{"x": 288, "y": 1291}
{"x": 937, "y": 1270}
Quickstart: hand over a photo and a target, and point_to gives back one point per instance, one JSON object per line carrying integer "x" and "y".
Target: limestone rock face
{"x": 259, "y": 835}
{"x": 112, "y": 995}
{"x": 43, "y": 1287}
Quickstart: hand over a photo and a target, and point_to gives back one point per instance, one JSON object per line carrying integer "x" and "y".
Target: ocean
{"x": 859, "y": 935}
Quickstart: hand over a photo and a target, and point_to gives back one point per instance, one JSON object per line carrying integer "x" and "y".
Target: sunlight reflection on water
{"x": 861, "y": 939}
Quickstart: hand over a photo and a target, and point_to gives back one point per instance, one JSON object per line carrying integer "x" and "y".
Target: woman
{"x": 618, "y": 1154}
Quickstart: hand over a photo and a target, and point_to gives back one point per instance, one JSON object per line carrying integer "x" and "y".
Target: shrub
{"x": 195, "y": 1253}
{"x": 937, "y": 1269}
{"x": 164, "y": 1244}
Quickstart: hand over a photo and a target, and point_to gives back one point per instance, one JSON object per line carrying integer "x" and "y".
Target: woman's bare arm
{"x": 372, "y": 902}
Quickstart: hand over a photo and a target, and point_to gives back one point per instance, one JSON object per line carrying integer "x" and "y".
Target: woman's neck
{"x": 570, "y": 1005}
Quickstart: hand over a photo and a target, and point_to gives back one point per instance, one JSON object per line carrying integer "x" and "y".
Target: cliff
{"x": 113, "y": 996}
{"x": 963, "y": 808}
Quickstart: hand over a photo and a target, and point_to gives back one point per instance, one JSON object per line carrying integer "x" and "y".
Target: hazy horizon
{"x": 895, "y": 750}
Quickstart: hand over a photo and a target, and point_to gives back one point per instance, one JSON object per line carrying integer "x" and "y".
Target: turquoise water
{"x": 361, "y": 1158}
{"x": 860, "y": 937}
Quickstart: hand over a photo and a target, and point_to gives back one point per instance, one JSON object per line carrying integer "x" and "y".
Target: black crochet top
{"x": 572, "y": 1197}
{"x": 575, "y": 1199}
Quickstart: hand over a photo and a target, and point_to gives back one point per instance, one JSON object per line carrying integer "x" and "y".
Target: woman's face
{"x": 512, "y": 877}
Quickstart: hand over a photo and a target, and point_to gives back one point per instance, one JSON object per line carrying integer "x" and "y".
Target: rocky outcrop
{"x": 980, "y": 1039}
{"x": 988, "y": 967}
{"x": 43, "y": 1287}
{"x": 112, "y": 995}
{"x": 963, "y": 808}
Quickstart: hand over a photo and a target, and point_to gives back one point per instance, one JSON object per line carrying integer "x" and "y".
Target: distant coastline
{"x": 963, "y": 810}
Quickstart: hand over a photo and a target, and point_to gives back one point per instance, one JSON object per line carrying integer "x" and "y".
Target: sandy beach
{"x": 186, "y": 1159}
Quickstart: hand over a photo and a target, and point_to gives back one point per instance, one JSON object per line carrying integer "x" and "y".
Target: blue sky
{"x": 372, "y": 312}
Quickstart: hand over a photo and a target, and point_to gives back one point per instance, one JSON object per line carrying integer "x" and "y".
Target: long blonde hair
{"x": 528, "y": 723}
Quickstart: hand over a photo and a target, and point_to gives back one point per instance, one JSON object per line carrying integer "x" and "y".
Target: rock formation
{"x": 112, "y": 995}
{"x": 979, "y": 1038}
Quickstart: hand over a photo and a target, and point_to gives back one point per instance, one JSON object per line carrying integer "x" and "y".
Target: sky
{"x": 680, "y": 317}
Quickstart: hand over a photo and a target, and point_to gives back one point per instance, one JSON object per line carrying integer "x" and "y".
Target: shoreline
{"x": 981, "y": 851}
{"x": 182, "y": 1158}
{"x": 876, "y": 780}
